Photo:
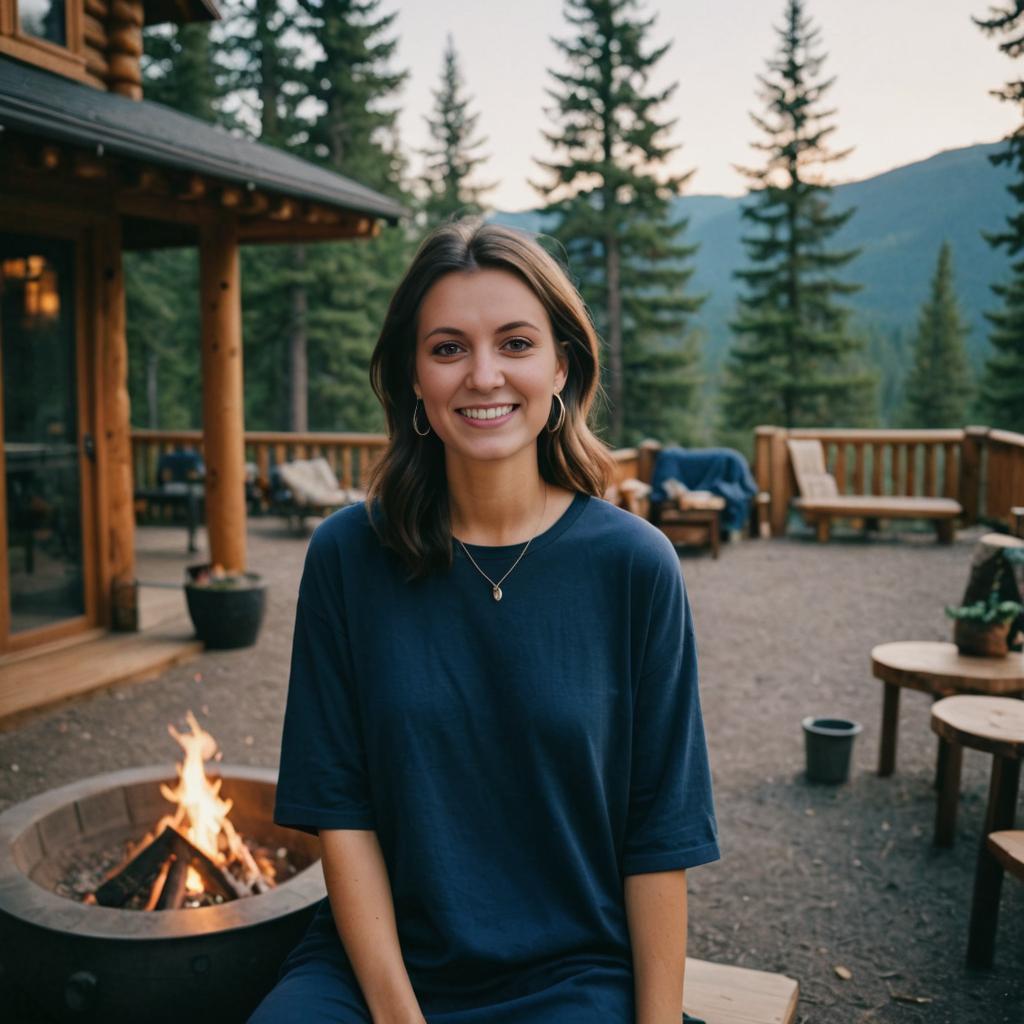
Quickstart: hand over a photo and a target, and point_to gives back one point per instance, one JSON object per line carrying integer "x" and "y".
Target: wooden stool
{"x": 1007, "y": 848}
{"x": 938, "y": 669}
{"x": 994, "y": 725}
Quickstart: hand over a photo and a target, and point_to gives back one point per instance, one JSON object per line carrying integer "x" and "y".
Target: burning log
{"x": 145, "y": 868}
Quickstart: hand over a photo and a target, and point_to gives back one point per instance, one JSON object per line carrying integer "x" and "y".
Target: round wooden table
{"x": 941, "y": 670}
{"x": 994, "y": 725}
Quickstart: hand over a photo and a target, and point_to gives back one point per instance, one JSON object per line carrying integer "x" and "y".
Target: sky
{"x": 912, "y": 79}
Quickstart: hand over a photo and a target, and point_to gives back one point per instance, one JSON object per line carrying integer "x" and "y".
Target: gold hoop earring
{"x": 415, "y": 411}
{"x": 561, "y": 414}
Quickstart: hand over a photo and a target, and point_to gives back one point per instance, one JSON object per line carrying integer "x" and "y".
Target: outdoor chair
{"x": 820, "y": 500}
{"x": 309, "y": 487}
{"x": 180, "y": 484}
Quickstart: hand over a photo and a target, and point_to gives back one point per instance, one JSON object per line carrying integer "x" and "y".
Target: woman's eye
{"x": 447, "y": 348}
{"x": 519, "y": 344}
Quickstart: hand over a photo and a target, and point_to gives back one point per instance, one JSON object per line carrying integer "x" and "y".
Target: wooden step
{"x": 59, "y": 672}
{"x": 720, "y": 994}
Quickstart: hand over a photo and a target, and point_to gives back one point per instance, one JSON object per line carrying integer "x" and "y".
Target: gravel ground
{"x": 813, "y": 878}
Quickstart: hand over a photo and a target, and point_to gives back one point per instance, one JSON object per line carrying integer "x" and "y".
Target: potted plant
{"x": 983, "y": 628}
{"x": 226, "y": 607}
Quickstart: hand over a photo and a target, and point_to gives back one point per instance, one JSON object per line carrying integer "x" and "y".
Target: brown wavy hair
{"x": 408, "y": 493}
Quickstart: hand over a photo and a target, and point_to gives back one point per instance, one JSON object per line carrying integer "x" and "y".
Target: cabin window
{"x": 44, "y": 19}
{"x": 47, "y": 33}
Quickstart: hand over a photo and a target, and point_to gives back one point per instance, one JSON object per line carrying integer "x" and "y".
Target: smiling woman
{"x": 493, "y": 720}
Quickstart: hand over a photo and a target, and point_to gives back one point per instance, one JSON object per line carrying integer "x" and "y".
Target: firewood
{"x": 137, "y": 873}
{"x": 173, "y": 893}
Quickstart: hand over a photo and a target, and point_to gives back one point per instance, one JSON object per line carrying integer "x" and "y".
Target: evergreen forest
{"x": 715, "y": 315}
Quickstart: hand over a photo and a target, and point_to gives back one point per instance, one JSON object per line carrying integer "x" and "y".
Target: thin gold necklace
{"x": 496, "y": 587}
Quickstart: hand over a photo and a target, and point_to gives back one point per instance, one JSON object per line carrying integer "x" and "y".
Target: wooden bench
{"x": 820, "y": 501}
{"x": 720, "y": 994}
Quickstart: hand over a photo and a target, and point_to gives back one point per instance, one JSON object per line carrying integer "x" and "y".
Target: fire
{"x": 200, "y": 812}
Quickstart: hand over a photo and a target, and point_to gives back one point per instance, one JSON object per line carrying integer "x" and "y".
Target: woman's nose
{"x": 484, "y": 373}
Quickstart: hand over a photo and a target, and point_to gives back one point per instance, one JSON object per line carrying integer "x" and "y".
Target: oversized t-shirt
{"x": 517, "y": 759}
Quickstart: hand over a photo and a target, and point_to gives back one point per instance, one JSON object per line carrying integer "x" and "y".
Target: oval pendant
{"x": 497, "y": 593}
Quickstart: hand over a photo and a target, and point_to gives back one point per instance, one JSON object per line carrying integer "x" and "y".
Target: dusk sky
{"x": 912, "y": 79}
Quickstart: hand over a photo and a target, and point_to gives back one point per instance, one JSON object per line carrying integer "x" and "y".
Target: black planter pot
{"x": 226, "y": 616}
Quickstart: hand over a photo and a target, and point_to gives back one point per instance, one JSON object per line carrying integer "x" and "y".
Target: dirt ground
{"x": 813, "y": 878}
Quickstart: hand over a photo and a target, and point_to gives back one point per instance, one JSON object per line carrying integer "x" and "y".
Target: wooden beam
{"x": 89, "y": 167}
{"x": 254, "y": 204}
{"x": 223, "y": 416}
{"x": 50, "y": 157}
{"x": 114, "y": 452}
{"x": 284, "y": 209}
{"x": 272, "y": 232}
{"x": 195, "y": 188}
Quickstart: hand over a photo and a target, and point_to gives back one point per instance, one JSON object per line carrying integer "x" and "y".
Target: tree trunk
{"x": 616, "y": 390}
{"x": 298, "y": 366}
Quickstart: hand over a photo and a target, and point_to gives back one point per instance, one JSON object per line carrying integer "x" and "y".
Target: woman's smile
{"x": 487, "y": 416}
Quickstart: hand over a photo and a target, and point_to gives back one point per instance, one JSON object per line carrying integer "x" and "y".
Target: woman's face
{"x": 487, "y": 364}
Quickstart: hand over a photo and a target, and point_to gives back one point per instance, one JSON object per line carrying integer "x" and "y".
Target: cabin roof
{"x": 159, "y": 12}
{"x": 45, "y": 105}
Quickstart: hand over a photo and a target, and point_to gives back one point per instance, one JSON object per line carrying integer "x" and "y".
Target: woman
{"x": 492, "y": 716}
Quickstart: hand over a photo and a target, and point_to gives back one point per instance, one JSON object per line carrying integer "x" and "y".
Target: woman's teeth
{"x": 487, "y": 414}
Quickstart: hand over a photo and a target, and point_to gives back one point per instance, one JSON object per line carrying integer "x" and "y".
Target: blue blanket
{"x": 722, "y": 471}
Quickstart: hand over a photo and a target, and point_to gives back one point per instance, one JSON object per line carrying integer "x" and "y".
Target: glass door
{"x": 40, "y": 432}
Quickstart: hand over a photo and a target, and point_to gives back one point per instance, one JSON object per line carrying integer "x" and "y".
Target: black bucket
{"x": 829, "y": 744}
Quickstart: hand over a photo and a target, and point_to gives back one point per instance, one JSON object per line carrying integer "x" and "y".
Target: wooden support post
{"x": 113, "y": 425}
{"x": 970, "y": 472}
{"x": 781, "y": 489}
{"x": 223, "y": 416}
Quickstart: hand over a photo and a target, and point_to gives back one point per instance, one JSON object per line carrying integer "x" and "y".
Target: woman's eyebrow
{"x": 504, "y": 327}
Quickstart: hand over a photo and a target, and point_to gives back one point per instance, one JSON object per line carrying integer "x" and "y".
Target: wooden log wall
{"x": 112, "y": 45}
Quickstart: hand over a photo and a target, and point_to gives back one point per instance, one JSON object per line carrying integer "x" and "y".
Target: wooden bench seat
{"x": 720, "y": 994}
{"x": 820, "y": 500}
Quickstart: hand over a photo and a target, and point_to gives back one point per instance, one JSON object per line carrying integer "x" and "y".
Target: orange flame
{"x": 200, "y": 813}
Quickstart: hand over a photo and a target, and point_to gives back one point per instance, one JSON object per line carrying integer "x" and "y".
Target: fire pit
{"x": 73, "y": 961}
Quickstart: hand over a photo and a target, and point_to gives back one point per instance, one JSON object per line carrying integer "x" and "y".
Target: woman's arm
{"x": 364, "y": 914}
{"x": 656, "y": 916}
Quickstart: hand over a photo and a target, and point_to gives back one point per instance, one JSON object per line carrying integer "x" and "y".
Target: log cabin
{"x": 88, "y": 170}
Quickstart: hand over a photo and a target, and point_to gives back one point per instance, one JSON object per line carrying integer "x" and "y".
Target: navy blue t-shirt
{"x": 517, "y": 758}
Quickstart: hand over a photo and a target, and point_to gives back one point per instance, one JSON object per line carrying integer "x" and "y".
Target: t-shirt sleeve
{"x": 322, "y": 782}
{"x": 671, "y": 820}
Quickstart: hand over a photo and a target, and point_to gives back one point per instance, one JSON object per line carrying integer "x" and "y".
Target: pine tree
{"x": 260, "y": 49}
{"x": 612, "y": 203}
{"x": 938, "y": 388}
{"x": 179, "y": 69}
{"x": 450, "y": 161}
{"x": 794, "y": 361}
{"x": 355, "y": 134}
{"x": 1002, "y": 384}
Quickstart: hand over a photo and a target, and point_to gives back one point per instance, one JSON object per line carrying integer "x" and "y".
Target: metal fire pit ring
{"x": 69, "y": 961}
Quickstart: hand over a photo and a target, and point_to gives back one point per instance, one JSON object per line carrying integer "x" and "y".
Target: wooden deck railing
{"x": 351, "y": 456}
{"x": 983, "y": 469}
